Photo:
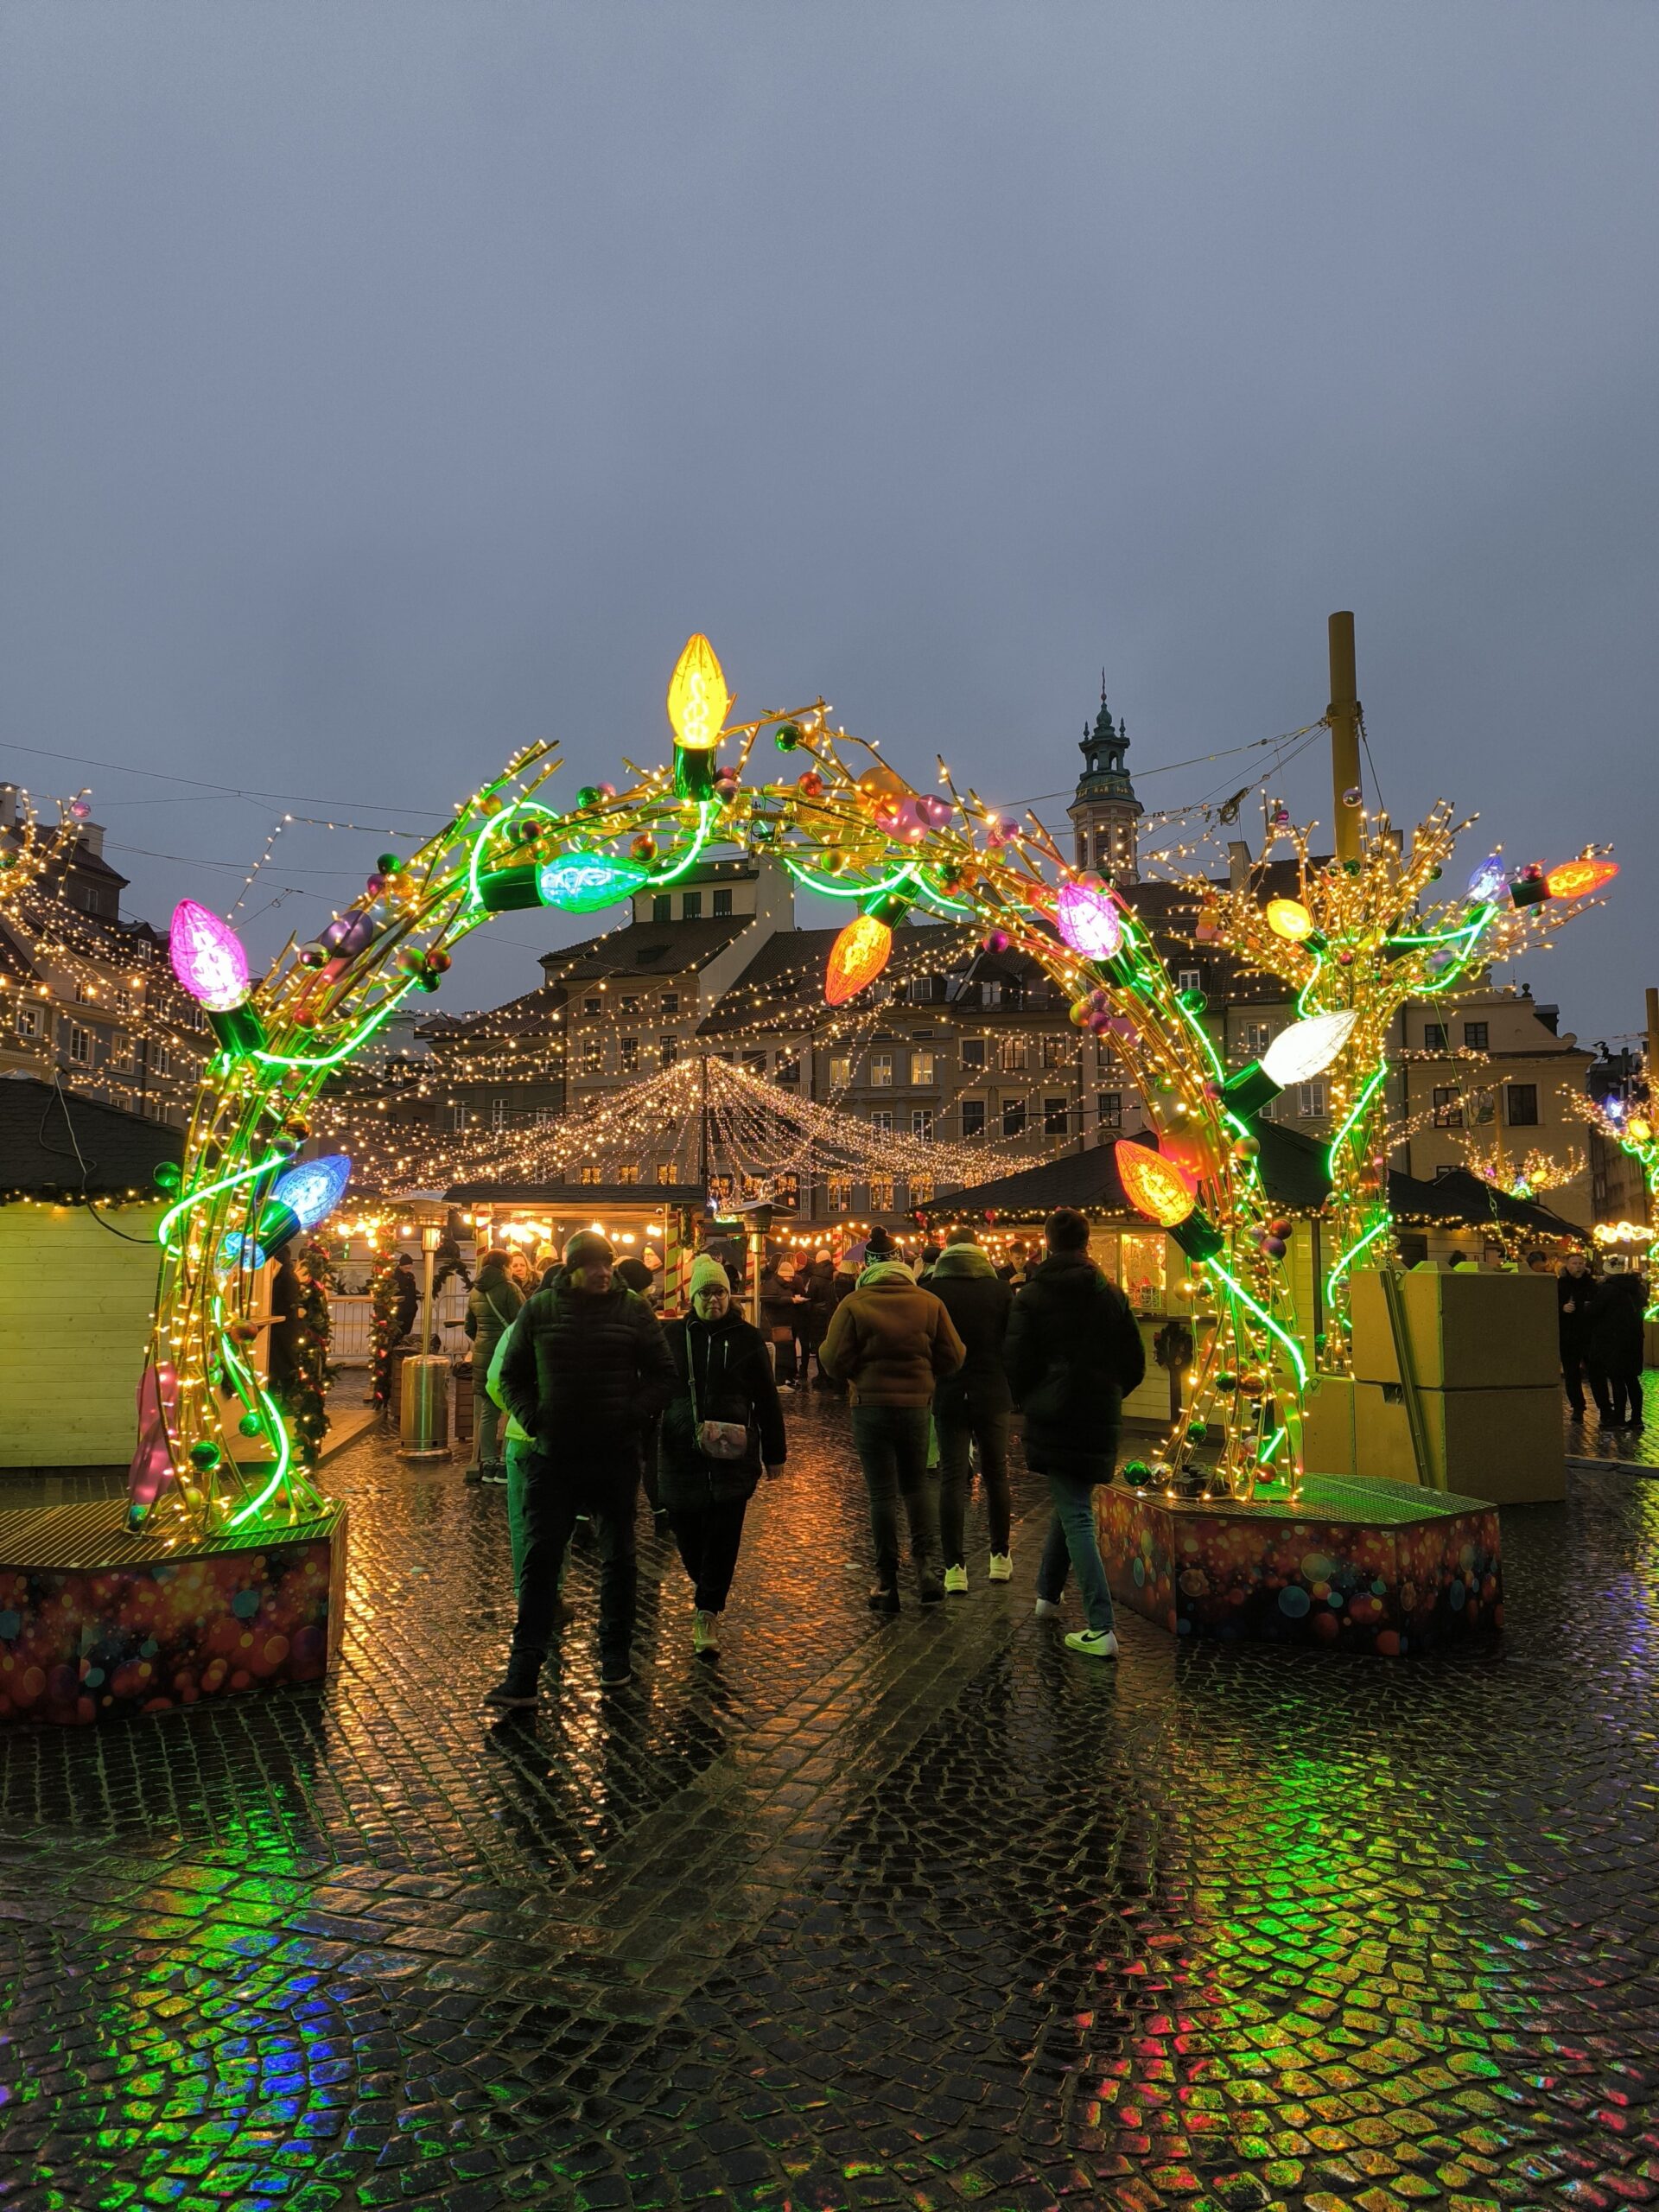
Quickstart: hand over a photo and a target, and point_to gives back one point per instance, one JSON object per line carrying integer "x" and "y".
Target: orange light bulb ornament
{"x": 1573, "y": 879}
{"x": 863, "y": 949}
{"x": 1156, "y": 1188}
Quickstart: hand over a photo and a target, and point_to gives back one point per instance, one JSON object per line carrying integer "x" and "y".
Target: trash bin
{"x": 424, "y": 1408}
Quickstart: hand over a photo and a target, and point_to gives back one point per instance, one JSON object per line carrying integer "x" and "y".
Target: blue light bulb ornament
{"x": 236, "y": 1249}
{"x": 1489, "y": 880}
{"x": 303, "y": 1196}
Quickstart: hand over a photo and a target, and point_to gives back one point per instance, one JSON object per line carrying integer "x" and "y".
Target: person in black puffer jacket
{"x": 1073, "y": 1351}
{"x": 586, "y": 1367}
{"x": 1613, "y": 1347}
{"x": 973, "y": 1405}
{"x": 724, "y": 1376}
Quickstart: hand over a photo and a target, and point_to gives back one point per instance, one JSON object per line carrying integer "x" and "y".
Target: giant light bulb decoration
{"x": 207, "y": 958}
{"x": 1157, "y": 1188}
{"x": 698, "y": 702}
{"x": 303, "y": 1196}
{"x": 1296, "y": 1055}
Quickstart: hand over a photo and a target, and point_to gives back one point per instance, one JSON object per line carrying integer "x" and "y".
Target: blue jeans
{"x": 1072, "y": 1544}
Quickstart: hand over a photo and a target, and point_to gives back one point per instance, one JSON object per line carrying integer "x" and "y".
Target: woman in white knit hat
{"x": 723, "y": 1423}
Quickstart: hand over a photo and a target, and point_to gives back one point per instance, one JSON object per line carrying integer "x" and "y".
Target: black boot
{"x": 884, "y": 1598}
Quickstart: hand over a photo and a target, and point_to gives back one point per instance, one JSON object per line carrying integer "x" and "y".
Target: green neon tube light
{"x": 1351, "y": 1256}
{"x": 276, "y": 1430}
{"x": 843, "y": 890}
{"x": 211, "y": 1191}
{"x": 1266, "y": 1319}
{"x": 705, "y": 808}
{"x": 360, "y": 1035}
{"x": 1354, "y": 1113}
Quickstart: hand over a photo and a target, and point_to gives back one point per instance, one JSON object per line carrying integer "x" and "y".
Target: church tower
{"x": 1105, "y": 811}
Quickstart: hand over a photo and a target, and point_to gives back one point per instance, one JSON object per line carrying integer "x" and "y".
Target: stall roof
{"x": 1293, "y": 1167}
{"x": 1460, "y": 1195}
{"x": 57, "y": 1144}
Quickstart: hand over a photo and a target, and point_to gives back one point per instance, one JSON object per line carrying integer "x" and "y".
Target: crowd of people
{"x": 584, "y": 1392}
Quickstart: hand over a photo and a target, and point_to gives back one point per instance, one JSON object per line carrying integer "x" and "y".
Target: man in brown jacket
{"x": 894, "y": 1342}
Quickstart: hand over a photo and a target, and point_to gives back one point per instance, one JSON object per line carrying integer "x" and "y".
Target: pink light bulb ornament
{"x": 1090, "y": 921}
{"x": 209, "y": 962}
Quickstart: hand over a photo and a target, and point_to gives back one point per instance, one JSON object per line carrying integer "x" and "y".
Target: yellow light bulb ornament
{"x": 1289, "y": 918}
{"x": 697, "y": 705}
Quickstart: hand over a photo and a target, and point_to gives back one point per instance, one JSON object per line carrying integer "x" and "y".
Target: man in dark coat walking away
{"x": 1613, "y": 1348}
{"x": 973, "y": 1405}
{"x": 1573, "y": 1292}
{"x": 586, "y": 1367}
{"x": 1073, "y": 1352}
{"x": 727, "y": 1400}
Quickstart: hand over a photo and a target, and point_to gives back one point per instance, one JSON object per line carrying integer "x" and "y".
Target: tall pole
{"x": 1653, "y": 1046}
{"x": 703, "y": 1125}
{"x": 1343, "y": 714}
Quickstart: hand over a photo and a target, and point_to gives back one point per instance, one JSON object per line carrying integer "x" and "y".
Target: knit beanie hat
{"x": 878, "y": 1245}
{"x": 586, "y": 1246}
{"x": 708, "y": 1274}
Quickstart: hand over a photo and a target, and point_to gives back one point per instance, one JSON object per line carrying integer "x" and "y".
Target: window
{"x": 593, "y": 1007}
{"x": 788, "y": 1069}
{"x": 1057, "y": 1051}
{"x": 1484, "y": 1108}
{"x": 1448, "y": 1107}
{"x": 670, "y": 1004}
{"x": 161, "y": 1058}
{"x": 1013, "y": 1117}
{"x": 670, "y": 1049}
{"x": 497, "y": 1113}
{"x": 544, "y": 1117}
{"x": 1056, "y": 1120}
{"x": 1434, "y": 1036}
{"x": 881, "y": 1122}
{"x": 592, "y": 1055}
{"x": 461, "y": 1118}
{"x": 1109, "y": 1107}
{"x": 921, "y": 1124}
{"x": 29, "y": 1020}
{"x": 80, "y": 1046}
{"x": 121, "y": 1053}
{"x": 589, "y": 1174}
{"x": 722, "y": 903}
{"x": 1310, "y": 1101}
{"x": 922, "y": 1074}
{"x": 1258, "y": 1035}
{"x": 666, "y": 1170}
{"x": 662, "y": 906}
{"x": 627, "y": 1055}
{"x": 628, "y": 1174}
{"x": 880, "y": 1071}
{"x": 973, "y": 1117}
{"x": 841, "y": 1071}
{"x": 1474, "y": 1036}
{"x": 882, "y": 1196}
{"x": 990, "y": 994}
{"x": 755, "y": 1063}
{"x": 921, "y": 1190}
{"x": 973, "y": 1052}
{"x": 841, "y": 1194}
{"x": 691, "y": 905}
{"x": 1189, "y": 979}
{"x": 1521, "y": 1105}
{"x": 628, "y": 1005}
{"x": 1016, "y": 1055}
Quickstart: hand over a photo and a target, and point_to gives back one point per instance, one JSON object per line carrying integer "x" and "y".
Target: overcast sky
{"x": 384, "y": 385}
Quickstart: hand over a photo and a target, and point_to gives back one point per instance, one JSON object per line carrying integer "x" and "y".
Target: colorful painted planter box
{"x": 98, "y": 1623}
{"x": 1354, "y": 1565}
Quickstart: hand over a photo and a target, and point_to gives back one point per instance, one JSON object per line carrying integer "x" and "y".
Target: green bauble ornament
{"x": 204, "y": 1454}
{"x": 786, "y": 736}
{"x": 166, "y": 1175}
{"x": 251, "y": 1425}
{"x": 1136, "y": 1473}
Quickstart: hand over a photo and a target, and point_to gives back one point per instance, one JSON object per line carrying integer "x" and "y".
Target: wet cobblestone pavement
{"x": 925, "y": 1915}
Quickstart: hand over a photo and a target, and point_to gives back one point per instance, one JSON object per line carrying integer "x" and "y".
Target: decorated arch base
{"x": 221, "y": 1460}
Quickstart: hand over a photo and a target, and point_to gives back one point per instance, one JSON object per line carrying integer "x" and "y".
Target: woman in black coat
{"x": 1613, "y": 1349}
{"x": 724, "y": 1380}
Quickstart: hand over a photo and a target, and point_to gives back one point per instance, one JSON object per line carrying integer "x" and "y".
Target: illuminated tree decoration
{"x": 1573, "y": 879}
{"x": 583, "y": 883}
{"x": 210, "y": 963}
{"x": 1090, "y": 921}
{"x": 698, "y": 702}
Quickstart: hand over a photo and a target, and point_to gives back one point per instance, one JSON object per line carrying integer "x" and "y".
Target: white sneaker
{"x": 1093, "y": 1643}
{"x": 956, "y": 1582}
{"x": 1001, "y": 1566}
{"x": 1047, "y": 1610}
{"x": 705, "y": 1632}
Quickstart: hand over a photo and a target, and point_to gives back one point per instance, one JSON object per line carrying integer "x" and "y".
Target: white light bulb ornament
{"x": 1296, "y": 1055}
